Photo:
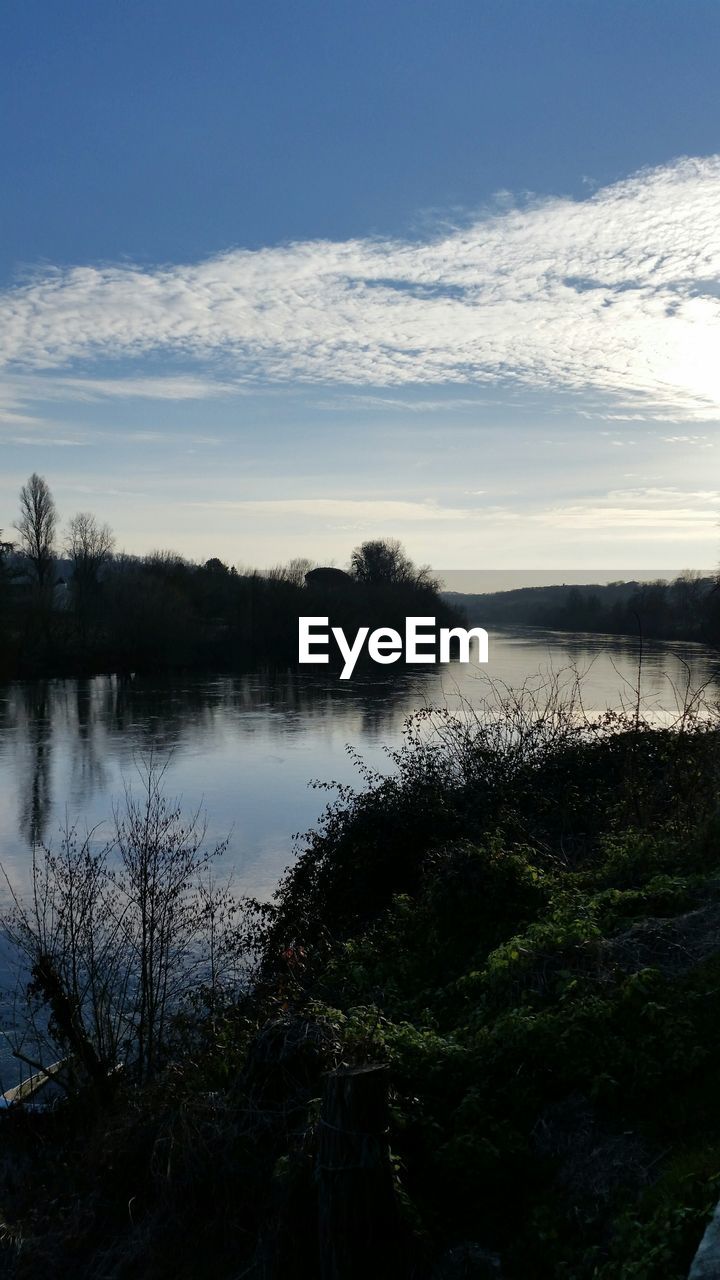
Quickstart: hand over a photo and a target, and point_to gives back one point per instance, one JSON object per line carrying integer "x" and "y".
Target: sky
{"x": 278, "y": 278}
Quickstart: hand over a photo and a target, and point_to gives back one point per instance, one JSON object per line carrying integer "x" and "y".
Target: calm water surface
{"x": 247, "y": 747}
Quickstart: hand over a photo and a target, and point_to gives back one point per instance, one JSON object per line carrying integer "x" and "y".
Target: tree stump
{"x": 358, "y": 1221}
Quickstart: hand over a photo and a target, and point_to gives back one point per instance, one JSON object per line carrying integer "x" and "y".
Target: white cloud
{"x": 172, "y": 388}
{"x": 17, "y": 391}
{"x": 166, "y": 438}
{"x": 406, "y": 404}
{"x": 664, "y": 513}
{"x": 700, "y": 442}
{"x": 376, "y": 510}
{"x": 45, "y": 441}
{"x": 617, "y": 293}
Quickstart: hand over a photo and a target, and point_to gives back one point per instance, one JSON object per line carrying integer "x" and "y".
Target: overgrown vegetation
{"x": 522, "y": 920}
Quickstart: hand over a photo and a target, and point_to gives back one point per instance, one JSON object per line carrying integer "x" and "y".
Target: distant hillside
{"x": 688, "y": 608}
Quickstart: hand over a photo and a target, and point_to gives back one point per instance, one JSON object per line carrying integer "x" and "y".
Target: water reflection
{"x": 36, "y": 793}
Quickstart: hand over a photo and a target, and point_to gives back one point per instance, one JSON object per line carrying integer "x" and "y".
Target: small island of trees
{"x": 71, "y": 603}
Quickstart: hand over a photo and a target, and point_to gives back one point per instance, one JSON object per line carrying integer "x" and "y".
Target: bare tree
{"x": 293, "y": 572}
{"x": 116, "y": 935}
{"x": 89, "y": 545}
{"x": 36, "y": 525}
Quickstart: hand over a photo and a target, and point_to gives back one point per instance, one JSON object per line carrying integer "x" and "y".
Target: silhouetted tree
{"x": 295, "y": 571}
{"x": 687, "y": 597}
{"x": 6, "y": 550}
{"x": 383, "y": 562}
{"x": 36, "y": 525}
{"x": 214, "y": 565}
{"x": 89, "y": 546}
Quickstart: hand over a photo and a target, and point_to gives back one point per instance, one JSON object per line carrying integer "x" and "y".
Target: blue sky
{"x": 277, "y": 278}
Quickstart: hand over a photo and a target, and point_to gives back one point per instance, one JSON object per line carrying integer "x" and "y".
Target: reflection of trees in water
{"x": 91, "y": 719}
{"x": 153, "y": 714}
{"x": 35, "y": 779}
{"x": 89, "y": 773}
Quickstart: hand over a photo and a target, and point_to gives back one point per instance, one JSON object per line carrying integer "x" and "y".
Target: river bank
{"x": 521, "y": 926}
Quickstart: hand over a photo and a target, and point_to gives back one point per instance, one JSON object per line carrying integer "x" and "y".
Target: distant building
{"x": 328, "y": 578}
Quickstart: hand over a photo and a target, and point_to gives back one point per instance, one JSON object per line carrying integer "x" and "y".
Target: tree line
{"x": 72, "y": 604}
{"x": 685, "y": 608}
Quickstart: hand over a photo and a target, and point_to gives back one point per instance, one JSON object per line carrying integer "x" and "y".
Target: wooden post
{"x": 357, "y": 1210}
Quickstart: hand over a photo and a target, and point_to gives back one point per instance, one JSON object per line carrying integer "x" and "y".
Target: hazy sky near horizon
{"x": 275, "y": 279}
